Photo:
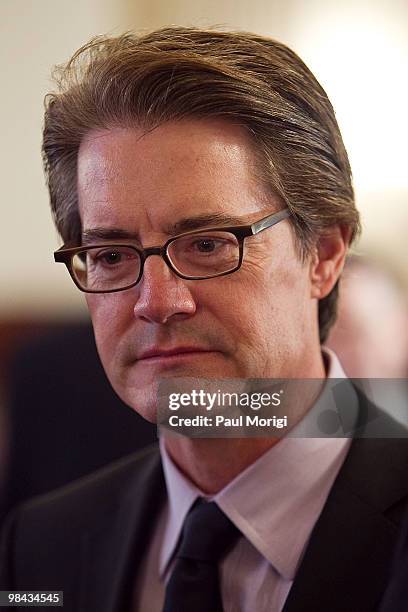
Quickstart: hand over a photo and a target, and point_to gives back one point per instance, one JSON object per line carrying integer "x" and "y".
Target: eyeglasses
{"x": 196, "y": 255}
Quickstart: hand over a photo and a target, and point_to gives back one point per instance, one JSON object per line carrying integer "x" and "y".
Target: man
{"x": 203, "y": 191}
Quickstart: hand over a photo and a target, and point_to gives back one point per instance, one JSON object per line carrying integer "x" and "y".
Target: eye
{"x": 205, "y": 245}
{"x": 110, "y": 257}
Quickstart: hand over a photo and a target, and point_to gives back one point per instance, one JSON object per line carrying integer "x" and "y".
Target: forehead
{"x": 130, "y": 176}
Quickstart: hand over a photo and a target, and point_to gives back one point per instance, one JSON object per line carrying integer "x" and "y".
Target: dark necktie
{"x": 194, "y": 584}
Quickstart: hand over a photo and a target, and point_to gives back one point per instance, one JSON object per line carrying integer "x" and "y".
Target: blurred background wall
{"x": 357, "y": 49}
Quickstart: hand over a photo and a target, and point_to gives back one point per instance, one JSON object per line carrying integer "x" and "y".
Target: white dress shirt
{"x": 275, "y": 503}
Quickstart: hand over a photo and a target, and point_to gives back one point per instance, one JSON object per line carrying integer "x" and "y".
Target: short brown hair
{"x": 177, "y": 73}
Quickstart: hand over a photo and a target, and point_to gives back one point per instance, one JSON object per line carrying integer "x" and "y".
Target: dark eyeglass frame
{"x": 65, "y": 253}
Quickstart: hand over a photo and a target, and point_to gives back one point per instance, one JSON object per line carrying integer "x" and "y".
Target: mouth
{"x": 175, "y": 354}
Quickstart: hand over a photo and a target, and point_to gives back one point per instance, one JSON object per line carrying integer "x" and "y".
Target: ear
{"x": 327, "y": 260}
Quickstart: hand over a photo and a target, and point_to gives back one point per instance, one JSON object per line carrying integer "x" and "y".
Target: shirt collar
{"x": 182, "y": 494}
{"x": 334, "y": 369}
{"x": 276, "y": 518}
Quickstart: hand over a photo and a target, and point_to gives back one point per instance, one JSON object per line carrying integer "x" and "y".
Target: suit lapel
{"x": 347, "y": 560}
{"x": 113, "y": 550}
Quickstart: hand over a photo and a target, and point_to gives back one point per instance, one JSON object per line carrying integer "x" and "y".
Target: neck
{"x": 211, "y": 463}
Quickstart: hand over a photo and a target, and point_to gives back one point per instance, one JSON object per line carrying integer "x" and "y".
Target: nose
{"x": 162, "y": 294}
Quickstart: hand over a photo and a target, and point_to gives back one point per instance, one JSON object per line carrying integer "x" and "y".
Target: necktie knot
{"x": 207, "y": 534}
{"x": 194, "y": 584}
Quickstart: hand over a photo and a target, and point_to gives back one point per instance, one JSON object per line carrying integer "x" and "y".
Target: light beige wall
{"x": 34, "y": 35}
{"x": 271, "y": 17}
{"x": 357, "y": 49}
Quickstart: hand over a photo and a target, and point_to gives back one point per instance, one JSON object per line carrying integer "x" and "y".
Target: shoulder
{"x": 92, "y": 496}
{"x": 45, "y": 540}
{"x": 375, "y": 472}
{"x": 376, "y": 422}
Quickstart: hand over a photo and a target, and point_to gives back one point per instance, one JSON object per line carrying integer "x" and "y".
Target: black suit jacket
{"x": 396, "y": 595}
{"x": 89, "y": 538}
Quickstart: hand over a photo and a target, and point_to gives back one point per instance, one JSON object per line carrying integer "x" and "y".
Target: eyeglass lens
{"x": 197, "y": 255}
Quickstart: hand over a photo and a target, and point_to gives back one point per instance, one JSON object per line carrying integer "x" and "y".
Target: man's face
{"x": 257, "y": 322}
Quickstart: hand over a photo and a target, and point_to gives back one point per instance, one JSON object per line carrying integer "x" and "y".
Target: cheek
{"x": 269, "y": 302}
{"x": 110, "y": 315}
{"x": 239, "y": 305}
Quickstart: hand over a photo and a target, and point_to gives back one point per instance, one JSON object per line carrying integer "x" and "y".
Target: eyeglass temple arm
{"x": 263, "y": 224}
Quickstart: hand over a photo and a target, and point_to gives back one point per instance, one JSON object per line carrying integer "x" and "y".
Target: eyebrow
{"x": 187, "y": 224}
{"x": 214, "y": 220}
{"x": 100, "y": 233}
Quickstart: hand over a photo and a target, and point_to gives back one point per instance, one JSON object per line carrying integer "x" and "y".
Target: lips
{"x": 180, "y": 350}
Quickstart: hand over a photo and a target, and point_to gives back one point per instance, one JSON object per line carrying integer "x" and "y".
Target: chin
{"x": 141, "y": 389}
{"x": 143, "y": 401}
{"x": 149, "y": 413}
